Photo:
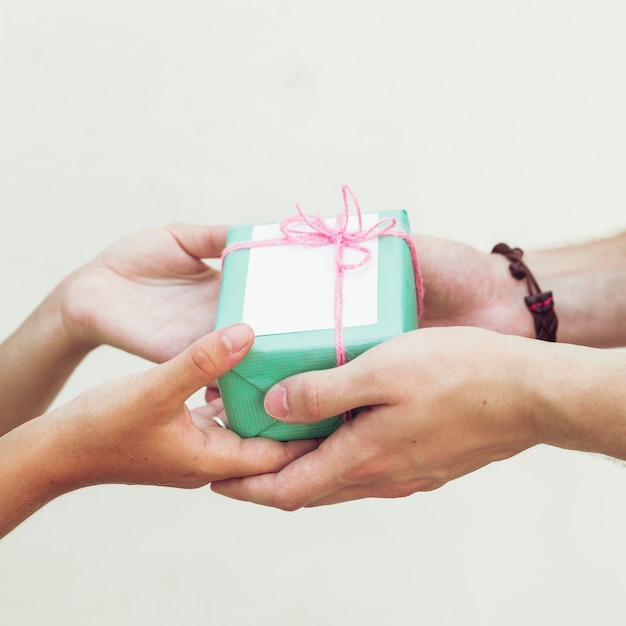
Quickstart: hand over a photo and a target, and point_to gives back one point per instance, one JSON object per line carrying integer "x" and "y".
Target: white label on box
{"x": 291, "y": 288}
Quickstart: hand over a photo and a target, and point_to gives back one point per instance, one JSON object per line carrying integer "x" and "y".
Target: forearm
{"x": 589, "y": 286}
{"x": 466, "y": 287}
{"x": 35, "y": 361}
{"x": 32, "y": 471}
{"x": 575, "y": 396}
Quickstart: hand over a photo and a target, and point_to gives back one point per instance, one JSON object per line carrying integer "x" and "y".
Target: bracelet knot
{"x": 539, "y": 303}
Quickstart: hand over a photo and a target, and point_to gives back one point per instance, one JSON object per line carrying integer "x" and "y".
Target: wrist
{"x": 588, "y": 284}
{"x": 69, "y": 443}
{"x": 509, "y": 374}
{"x": 73, "y": 322}
{"x": 508, "y": 310}
{"x": 33, "y": 470}
{"x": 577, "y": 398}
{"x": 540, "y": 304}
{"x": 48, "y": 351}
{"x": 467, "y": 287}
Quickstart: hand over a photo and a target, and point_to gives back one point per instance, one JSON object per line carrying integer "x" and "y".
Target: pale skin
{"x": 443, "y": 402}
{"x": 136, "y": 430}
{"x": 152, "y": 295}
{"x": 149, "y": 294}
{"x": 466, "y": 287}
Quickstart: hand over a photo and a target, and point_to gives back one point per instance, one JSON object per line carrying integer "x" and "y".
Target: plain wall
{"x": 487, "y": 121}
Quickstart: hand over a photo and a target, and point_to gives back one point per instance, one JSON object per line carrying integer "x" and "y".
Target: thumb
{"x": 202, "y": 362}
{"x": 317, "y": 395}
{"x": 202, "y": 242}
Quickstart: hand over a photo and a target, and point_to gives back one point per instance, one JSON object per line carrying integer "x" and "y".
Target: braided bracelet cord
{"x": 539, "y": 303}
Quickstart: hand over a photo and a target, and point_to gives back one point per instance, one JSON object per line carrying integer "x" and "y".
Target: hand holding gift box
{"x": 317, "y": 292}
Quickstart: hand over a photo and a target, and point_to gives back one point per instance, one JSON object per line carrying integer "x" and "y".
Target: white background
{"x": 488, "y": 121}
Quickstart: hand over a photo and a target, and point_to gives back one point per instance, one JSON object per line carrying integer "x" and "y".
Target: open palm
{"x": 149, "y": 293}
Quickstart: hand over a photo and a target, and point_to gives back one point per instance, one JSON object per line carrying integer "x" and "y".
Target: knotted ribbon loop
{"x": 313, "y": 230}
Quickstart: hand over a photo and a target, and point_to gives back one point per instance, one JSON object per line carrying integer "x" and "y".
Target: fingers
{"x": 314, "y": 396}
{"x": 211, "y": 392}
{"x": 202, "y": 362}
{"x": 248, "y": 457}
{"x": 256, "y": 489}
{"x": 310, "y": 478}
{"x": 202, "y": 242}
{"x": 204, "y": 417}
{"x": 311, "y": 481}
{"x": 289, "y": 489}
{"x": 277, "y": 490}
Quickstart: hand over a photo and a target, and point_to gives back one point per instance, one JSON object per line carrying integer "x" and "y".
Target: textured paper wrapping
{"x": 287, "y": 295}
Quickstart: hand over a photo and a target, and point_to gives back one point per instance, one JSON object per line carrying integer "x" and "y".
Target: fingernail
{"x": 236, "y": 337}
{"x": 275, "y": 402}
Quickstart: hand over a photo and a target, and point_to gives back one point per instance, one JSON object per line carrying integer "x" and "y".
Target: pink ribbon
{"x": 313, "y": 230}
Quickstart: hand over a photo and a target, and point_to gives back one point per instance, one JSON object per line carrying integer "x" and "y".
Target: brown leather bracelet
{"x": 539, "y": 303}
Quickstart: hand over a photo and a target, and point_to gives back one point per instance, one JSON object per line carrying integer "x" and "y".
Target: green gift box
{"x": 287, "y": 294}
